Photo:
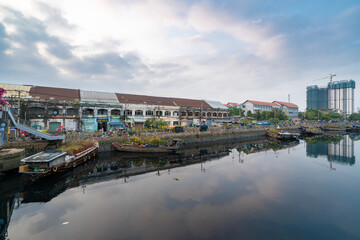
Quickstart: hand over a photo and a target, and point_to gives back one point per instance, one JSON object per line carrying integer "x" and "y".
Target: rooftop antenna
{"x": 289, "y": 98}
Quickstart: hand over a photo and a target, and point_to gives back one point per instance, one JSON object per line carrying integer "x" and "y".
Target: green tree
{"x": 249, "y": 113}
{"x": 234, "y": 112}
{"x": 274, "y": 120}
{"x": 354, "y": 117}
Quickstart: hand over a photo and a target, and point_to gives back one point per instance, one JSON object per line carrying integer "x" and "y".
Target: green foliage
{"x": 151, "y": 141}
{"x": 152, "y": 123}
{"x": 249, "y": 113}
{"x": 236, "y": 112}
{"x": 274, "y": 120}
{"x": 354, "y": 117}
{"x": 315, "y": 114}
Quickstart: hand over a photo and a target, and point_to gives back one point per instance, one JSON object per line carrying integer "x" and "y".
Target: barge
{"x": 52, "y": 161}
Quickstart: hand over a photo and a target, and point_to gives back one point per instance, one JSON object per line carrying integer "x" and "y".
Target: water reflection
{"x": 337, "y": 148}
{"x": 201, "y": 193}
{"x": 9, "y": 189}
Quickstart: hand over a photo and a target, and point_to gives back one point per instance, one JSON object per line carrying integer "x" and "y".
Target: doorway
{"x": 102, "y": 125}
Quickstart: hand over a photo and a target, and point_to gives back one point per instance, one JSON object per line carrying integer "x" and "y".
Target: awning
{"x": 139, "y": 119}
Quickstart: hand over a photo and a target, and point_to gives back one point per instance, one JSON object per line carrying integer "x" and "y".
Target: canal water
{"x": 257, "y": 190}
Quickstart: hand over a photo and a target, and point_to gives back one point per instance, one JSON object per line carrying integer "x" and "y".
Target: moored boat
{"x": 134, "y": 148}
{"x": 308, "y": 132}
{"x": 281, "y": 135}
{"x": 51, "y": 161}
{"x": 143, "y": 148}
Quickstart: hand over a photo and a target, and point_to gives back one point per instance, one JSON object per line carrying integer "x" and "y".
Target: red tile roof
{"x": 264, "y": 103}
{"x": 54, "y": 93}
{"x": 228, "y": 105}
{"x": 143, "y": 99}
{"x": 287, "y": 104}
{"x": 182, "y": 102}
{"x": 232, "y": 103}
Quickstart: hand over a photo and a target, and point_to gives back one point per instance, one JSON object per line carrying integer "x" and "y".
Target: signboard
{"x": 102, "y": 120}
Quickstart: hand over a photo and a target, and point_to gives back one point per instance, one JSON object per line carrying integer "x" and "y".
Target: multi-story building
{"x": 291, "y": 109}
{"x": 74, "y": 109}
{"x": 254, "y": 106}
{"x": 338, "y": 96}
{"x": 139, "y": 108}
{"x": 100, "y": 111}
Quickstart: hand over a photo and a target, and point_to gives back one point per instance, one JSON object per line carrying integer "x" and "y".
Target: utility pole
{"x": 19, "y": 92}
{"x": 201, "y": 111}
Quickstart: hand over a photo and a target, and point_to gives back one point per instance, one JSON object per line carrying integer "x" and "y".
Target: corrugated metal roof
{"x": 10, "y": 90}
{"x": 182, "y": 102}
{"x": 216, "y": 104}
{"x": 54, "y": 93}
{"x": 143, "y": 99}
{"x": 92, "y": 96}
{"x": 287, "y": 104}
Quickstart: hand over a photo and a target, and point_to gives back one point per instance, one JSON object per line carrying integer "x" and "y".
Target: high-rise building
{"x": 340, "y": 98}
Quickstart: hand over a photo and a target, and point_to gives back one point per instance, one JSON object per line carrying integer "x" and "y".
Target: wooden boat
{"x": 333, "y": 128}
{"x": 50, "y": 161}
{"x": 353, "y": 129}
{"x": 280, "y": 135}
{"x": 143, "y": 148}
{"x": 309, "y": 132}
{"x": 133, "y": 148}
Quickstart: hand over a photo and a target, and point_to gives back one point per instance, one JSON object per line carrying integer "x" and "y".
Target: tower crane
{"x": 331, "y": 76}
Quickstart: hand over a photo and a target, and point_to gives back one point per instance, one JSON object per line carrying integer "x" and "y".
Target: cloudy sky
{"x": 219, "y": 50}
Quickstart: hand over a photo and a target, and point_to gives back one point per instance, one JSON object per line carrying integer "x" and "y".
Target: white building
{"x": 291, "y": 109}
{"x": 254, "y": 106}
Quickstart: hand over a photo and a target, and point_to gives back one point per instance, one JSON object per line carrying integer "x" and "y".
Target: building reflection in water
{"x": 337, "y": 149}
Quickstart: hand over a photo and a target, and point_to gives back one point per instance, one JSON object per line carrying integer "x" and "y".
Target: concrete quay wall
{"x": 191, "y": 139}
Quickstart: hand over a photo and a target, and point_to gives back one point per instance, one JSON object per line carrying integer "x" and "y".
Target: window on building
{"x": 175, "y": 113}
{"x": 197, "y": 114}
{"x": 53, "y": 111}
{"x": 128, "y": 112}
{"x": 183, "y": 114}
{"x": 72, "y": 111}
{"x": 220, "y": 115}
{"x": 102, "y": 112}
{"x": 36, "y": 110}
{"x": 175, "y": 123}
{"x": 214, "y": 114}
{"x": 159, "y": 113}
{"x": 115, "y": 112}
{"x": 209, "y": 114}
{"x": 88, "y": 112}
{"x": 138, "y": 113}
{"x": 149, "y": 113}
{"x": 190, "y": 114}
{"x": 167, "y": 113}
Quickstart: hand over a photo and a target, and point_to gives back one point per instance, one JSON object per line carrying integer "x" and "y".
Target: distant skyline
{"x": 229, "y": 51}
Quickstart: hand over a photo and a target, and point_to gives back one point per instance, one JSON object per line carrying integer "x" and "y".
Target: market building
{"x": 100, "y": 111}
{"x": 48, "y": 108}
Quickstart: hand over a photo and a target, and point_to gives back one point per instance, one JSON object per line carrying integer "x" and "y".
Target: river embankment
{"x": 189, "y": 138}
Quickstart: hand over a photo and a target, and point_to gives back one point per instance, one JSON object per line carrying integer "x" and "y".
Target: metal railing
{"x": 26, "y": 126}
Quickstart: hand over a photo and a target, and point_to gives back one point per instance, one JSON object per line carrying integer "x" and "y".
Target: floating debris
{"x": 176, "y": 179}
{"x": 65, "y": 223}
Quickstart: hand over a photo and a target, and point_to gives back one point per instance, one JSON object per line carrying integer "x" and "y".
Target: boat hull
{"x": 283, "y": 136}
{"x": 71, "y": 161}
{"x": 138, "y": 149}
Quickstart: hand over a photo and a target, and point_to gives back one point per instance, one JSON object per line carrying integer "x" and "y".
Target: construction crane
{"x": 331, "y": 76}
